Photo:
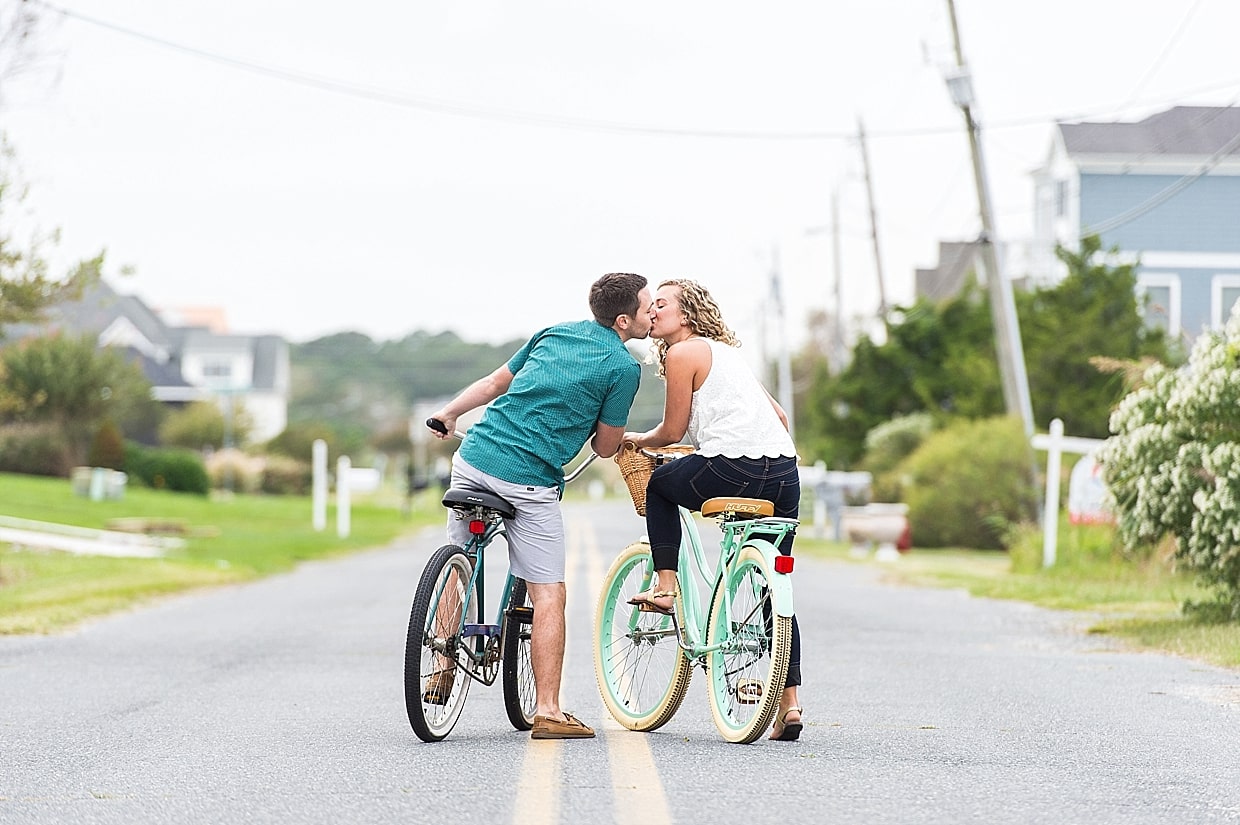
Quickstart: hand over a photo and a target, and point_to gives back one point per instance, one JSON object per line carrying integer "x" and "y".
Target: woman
{"x": 741, "y": 441}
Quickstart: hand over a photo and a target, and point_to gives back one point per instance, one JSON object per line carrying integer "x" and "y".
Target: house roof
{"x": 126, "y": 322}
{"x": 270, "y": 351}
{"x": 957, "y": 263}
{"x": 93, "y": 312}
{"x": 1180, "y": 131}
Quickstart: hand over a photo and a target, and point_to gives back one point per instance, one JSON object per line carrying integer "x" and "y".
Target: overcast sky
{"x": 387, "y": 167}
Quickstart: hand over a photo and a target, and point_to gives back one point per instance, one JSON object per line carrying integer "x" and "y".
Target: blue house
{"x": 1164, "y": 191}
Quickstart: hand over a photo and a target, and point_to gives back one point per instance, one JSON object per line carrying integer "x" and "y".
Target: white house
{"x": 183, "y": 363}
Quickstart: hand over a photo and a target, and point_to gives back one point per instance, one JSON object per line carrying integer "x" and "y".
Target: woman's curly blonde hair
{"x": 702, "y": 314}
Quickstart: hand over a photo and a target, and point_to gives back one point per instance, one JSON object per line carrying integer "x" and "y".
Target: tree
{"x": 108, "y": 447}
{"x": 1091, "y": 313}
{"x": 68, "y": 383}
{"x": 20, "y": 22}
{"x": 202, "y": 424}
{"x": 939, "y": 358}
{"x": 298, "y": 439}
{"x": 25, "y": 286}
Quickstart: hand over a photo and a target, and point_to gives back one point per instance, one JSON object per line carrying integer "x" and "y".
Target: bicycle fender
{"x": 781, "y": 586}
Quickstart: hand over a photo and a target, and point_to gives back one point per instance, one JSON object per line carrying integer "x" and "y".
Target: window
{"x": 1061, "y": 198}
{"x": 1159, "y": 296}
{"x": 216, "y": 369}
{"x": 1225, "y": 292}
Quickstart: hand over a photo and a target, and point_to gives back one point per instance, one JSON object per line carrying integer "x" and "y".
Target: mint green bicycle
{"x": 741, "y": 637}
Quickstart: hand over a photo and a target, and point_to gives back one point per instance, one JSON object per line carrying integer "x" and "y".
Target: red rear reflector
{"x": 783, "y": 564}
{"x": 477, "y": 527}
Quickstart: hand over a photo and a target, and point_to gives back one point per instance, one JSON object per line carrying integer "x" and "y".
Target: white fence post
{"x": 318, "y": 484}
{"x": 343, "y": 520}
{"x": 1056, "y": 444}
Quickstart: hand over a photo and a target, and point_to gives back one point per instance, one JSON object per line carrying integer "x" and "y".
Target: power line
{"x": 444, "y": 107}
{"x": 1162, "y": 56}
{"x": 1165, "y": 194}
{"x": 524, "y": 118}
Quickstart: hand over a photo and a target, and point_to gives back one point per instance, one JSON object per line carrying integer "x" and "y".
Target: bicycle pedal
{"x": 748, "y": 691}
{"x": 523, "y": 614}
{"x": 488, "y": 630}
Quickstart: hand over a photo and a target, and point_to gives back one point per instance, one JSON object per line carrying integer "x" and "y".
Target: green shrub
{"x": 968, "y": 484}
{"x": 108, "y": 447}
{"x": 285, "y": 476}
{"x": 1173, "y": 464}
{"x": 235, "y": 470}
{"x": 887, "y": 445}
{"x": 34, "y": 449}
{"x": 167, "y": 469}
{"x": 297, "y": 441}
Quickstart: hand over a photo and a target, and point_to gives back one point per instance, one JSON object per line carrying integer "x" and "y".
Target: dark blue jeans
{"x": 688, "y": 482}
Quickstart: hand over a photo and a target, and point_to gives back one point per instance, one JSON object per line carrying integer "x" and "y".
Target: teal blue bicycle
{"x": 732, "y": 618}
{"x": 449, "y": 645}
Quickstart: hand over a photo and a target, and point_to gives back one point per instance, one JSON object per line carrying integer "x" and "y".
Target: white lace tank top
{"x": 731, "y": 414}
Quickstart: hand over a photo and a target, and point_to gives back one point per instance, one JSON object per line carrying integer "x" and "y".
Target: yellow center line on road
{"x": 636, "y": 787}
{"x": 538, "y": 798}
{"x": 638, "y": 791}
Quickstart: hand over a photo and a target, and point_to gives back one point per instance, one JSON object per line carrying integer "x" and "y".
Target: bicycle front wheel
{"x": 435, "y": 685}
{"x": 520, "y": 697}
{"x": 748, "y": 670}
{"x": 641, "y": 670}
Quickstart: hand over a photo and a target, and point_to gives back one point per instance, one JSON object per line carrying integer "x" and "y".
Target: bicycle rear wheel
{"x": 435, "y": 686}
{"x": 520, "y": 698}
{"x": 641, "y": 671}
{"x": 748, "y": 671}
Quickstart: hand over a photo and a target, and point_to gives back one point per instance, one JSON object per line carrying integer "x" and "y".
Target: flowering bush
{"x": 1173, "y": 462}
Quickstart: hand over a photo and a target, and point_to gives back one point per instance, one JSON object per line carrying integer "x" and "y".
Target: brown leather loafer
{"x": 438, "y": 687}
{"x": 567, "y": 728}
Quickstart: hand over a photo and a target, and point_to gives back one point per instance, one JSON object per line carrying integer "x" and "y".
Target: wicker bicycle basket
{"x": 636, "y": 465}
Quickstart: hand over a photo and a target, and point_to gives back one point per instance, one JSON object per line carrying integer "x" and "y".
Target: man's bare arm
{"x": 607, "y": 440}
{"x": 481, "y": 392}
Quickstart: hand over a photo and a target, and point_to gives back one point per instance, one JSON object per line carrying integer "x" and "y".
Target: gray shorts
{"x": 535, "y": 535}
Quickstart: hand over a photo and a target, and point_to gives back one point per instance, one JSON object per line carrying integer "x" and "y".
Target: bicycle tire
{"x": 520, "y": 696}
{"x": 642, "y": 673}
{"x": 747, "y": 673}
{"x": 432, "y": 721}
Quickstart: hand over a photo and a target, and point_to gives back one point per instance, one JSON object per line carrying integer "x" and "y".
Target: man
{"x": 568, "y": 382}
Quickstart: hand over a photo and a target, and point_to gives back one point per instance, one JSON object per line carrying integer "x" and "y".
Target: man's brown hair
{"x": 615, "y": 294}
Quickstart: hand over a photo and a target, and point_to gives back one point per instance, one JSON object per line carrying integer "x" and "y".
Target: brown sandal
{"x": 645, "y": 601}
{"x": 787, "y": 731}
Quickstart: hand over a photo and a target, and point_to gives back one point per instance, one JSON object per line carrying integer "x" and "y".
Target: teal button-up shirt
{"x": 565, "y": 379}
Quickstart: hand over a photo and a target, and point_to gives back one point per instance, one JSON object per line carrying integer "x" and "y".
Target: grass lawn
{"x": 228, "y": 539}
{"x": 1140, "y": 603}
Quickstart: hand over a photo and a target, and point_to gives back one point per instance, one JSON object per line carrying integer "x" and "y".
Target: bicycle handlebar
{"x": 441, "y": 428}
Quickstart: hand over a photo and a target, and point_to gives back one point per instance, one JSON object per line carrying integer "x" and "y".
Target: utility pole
{"x": 1002, "y": 304}
{"x": 837, "y": 328}
{"x": 869, "y": 193}
{"x": 785, "y": 365}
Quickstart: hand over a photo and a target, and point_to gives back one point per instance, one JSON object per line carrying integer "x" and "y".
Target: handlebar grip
{"x": 437, "y": 425}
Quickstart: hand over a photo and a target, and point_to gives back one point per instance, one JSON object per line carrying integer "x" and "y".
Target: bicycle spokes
{"x": 749, "y": 662}
{"x": 642, "y": 673}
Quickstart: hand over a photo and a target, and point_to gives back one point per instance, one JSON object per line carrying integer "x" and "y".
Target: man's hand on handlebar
{"x": 442, "y": 426}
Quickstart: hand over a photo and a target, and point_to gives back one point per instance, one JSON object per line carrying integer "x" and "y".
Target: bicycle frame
{"x": 762, "y": 534}
{"x": 480, "y": 655}
{"x": 486, "y": 654}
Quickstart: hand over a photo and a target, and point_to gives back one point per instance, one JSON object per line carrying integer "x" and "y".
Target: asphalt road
{"x": 281, "y": 702}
